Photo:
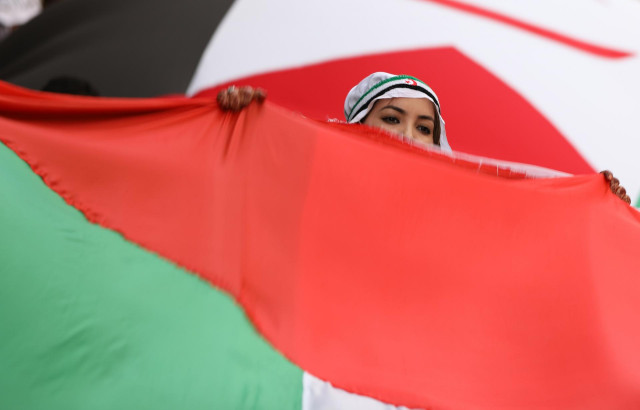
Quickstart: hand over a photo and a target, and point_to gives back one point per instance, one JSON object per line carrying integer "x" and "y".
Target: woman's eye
{"x": 424, "y": 130}
{"x": 390, "y": 120}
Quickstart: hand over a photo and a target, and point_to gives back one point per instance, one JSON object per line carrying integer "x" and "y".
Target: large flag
{"x": 537, "y": 82}
{"x": 337, "y": 267}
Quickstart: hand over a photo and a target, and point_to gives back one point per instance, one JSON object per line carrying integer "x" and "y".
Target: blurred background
{"x": 548, "y": 83}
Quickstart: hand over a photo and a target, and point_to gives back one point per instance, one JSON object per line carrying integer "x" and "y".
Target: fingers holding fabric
{"x": 616, "y": 188}
{"x": 236, "y": 98}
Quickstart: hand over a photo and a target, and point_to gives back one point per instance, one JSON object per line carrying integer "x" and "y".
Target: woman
{"x": 401, "y": 104}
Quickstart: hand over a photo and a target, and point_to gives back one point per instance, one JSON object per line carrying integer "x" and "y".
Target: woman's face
{"x": 411, "y": 117}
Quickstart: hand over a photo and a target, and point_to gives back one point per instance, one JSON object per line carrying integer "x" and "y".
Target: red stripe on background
{"x": 470, "y": 96}
{"x": 551, "y": 35}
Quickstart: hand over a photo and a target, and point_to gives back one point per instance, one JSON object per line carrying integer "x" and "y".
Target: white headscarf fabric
{"x": 382, "y": 85}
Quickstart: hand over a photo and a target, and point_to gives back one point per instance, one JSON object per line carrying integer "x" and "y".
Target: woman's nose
{"x": 408, "y": 131}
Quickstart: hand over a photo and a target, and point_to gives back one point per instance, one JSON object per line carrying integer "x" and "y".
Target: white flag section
{"x": 16, "y": 12}
{"x": 576, "y": 62}
{"x": 321, "y": 395}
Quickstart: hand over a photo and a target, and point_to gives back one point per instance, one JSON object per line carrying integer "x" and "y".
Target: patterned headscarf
{"x": 382, "y": 85}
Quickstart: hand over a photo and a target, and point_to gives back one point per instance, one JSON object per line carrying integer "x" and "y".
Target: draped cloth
{"x": 407, "y": 275}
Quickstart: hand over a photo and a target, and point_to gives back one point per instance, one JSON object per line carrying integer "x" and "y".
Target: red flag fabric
{"x": 390, "y": 271}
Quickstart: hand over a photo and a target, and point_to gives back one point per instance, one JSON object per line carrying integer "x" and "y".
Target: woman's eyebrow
{"x": 401, "y": 111}
{"x": 393, "y": 107}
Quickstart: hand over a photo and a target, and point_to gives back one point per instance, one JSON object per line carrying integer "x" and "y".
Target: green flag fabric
{"x": 91, "y": 321}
